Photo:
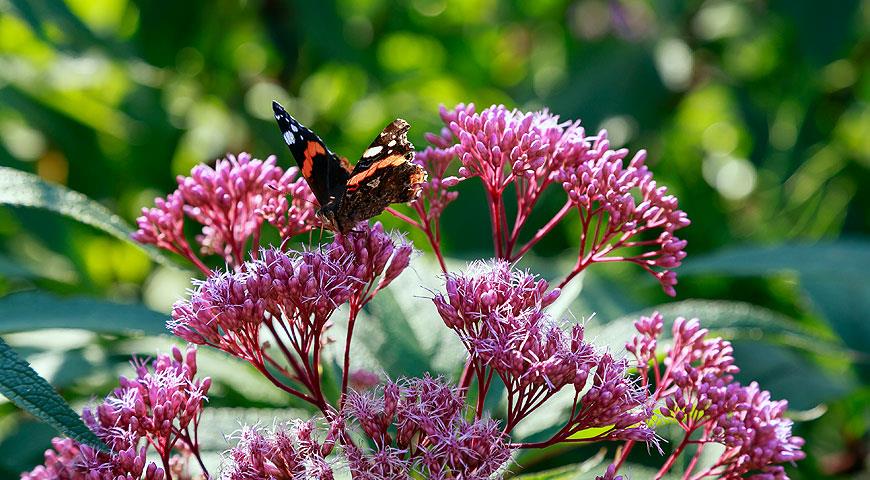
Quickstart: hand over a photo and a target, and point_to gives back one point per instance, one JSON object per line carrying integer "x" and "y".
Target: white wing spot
{"x": 392, "y": 142}
{"x": 289, "y": 138}
{"x": 373, "y": 151}
{"x": 374, "y": 183}
{"x": 294, "y": 128}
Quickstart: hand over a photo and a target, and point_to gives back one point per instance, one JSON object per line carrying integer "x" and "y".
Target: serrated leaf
{"x": 24, "y": 387}
{"x": 34, "y": 310}
{"x": 22, "y": 189}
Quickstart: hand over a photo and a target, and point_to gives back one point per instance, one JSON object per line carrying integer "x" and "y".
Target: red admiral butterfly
{"x": 383, "y": 175}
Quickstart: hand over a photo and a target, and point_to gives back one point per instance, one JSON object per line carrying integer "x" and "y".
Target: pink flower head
{"x": 230, "y": 201}
{"x": 698, "y": 391}
{"x": 285, "y": 300}
{"x": 598, "y": 183}
{"x": 298, "y": 291}
{"x": 288, "y": 452}
{"x": 159, "y": 409}
{"x": 499, "y": 314}
{"x": 532, "y": 151}
{"x": 417, "y": 426}
{"x": 378, "y": 258}
{"x": 162, "y": 402}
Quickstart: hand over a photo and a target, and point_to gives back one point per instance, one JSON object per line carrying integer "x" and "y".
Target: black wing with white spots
{"x": 322, "y": 169}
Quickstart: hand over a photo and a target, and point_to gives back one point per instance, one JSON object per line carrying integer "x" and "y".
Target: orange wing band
{"x": 311, "y": 151}
{"x": 387, "y": 162}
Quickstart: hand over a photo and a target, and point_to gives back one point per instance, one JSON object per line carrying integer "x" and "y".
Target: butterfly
{"x": 385, "y": 174}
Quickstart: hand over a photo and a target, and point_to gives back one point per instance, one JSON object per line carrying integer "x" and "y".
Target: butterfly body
{"x": 385, "y": 174}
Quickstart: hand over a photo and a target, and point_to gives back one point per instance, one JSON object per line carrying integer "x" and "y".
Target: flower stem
{"x": 345, "y": 373}
{"x": 673, "y": 458}
{"x": 543, "y": 231}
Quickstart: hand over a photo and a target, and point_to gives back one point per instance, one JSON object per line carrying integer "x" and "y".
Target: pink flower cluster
{"x": 417, "y": 426}
{"x": 600, "y": 186}
{"x": 286, "y": 300}
{"x": 499, "y": 314}
{"x": 287, "y": 452}
{"x": 159, "y": 409}
{"x": 230, "y": 202}
{"x": 621, "y": 208}
{"x": 698, "y": 390}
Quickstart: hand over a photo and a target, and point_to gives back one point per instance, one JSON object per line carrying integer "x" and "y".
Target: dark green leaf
{"x": 833, "y": 274}
{"x": 24, "y": 387}
{"x": 38, "y": 310}
{"x": 842, "y": 258}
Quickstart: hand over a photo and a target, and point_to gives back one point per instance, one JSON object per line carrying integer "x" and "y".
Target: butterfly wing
{"x": 385, "y": 174}
{"x": 325, "y": 173}
{"x": 392, "y": 141}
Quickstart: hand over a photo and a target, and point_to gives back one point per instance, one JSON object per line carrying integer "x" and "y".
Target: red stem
{"x": 401, "y": 216}
{"x": 543, "y": 231}
{"x": 673, "y": 458}
{"x": 345, "y": 374}
{"x": 694, "y": 461}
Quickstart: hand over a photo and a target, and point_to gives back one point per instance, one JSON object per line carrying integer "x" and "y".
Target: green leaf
{"x": 22, "y": 189}
{"x": 737, "y": 321}
{"x": 24, "y": 387}
{"x": 400, "y": 331}
{"x": 841, "y": 258}
{"x": 833, "y": 275}
{"x": 34, "y": 310}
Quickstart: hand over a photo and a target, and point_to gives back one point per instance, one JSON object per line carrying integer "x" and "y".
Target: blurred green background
{"x": 755, "y": 114}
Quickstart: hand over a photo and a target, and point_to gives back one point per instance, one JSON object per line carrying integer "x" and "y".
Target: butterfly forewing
{"x": 323, "y": 170}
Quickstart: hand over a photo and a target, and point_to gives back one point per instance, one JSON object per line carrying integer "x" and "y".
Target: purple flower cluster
{"x": 417, "y": 426}
{"x": 290, "y": 297}
{"x": 230, "y": 202}
{"x": 698, "y": 390}
{"x": 288, "y": 452}
{"x": 436, "y": 193}
{"x": 621, "y": 208}
{"x": 598, "y": 184}
{"x": 499, "y": 314}
{"x": 159, "y": 409}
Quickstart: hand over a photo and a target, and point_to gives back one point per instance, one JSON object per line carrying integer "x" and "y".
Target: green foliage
{"x": 22, "y": 385}
{"x": 22, "y": 189}
{"x": 17, "y": 314}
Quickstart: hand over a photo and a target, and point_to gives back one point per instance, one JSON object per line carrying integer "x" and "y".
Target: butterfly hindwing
{"x": 385, "y": 174}
{"x": 393, "y": 140}
{"x": 325, "y": 173}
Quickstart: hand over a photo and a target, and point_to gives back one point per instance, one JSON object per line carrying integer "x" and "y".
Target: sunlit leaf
{"x": 23, "y": 189}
